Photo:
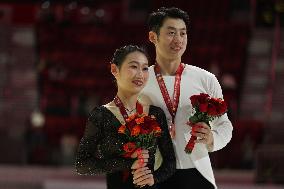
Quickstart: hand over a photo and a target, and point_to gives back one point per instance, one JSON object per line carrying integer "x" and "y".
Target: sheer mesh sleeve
{"x": 166, "y": 148}
{"x": 90, "y": 160}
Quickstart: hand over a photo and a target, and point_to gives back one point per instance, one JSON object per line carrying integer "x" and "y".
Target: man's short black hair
{"x": 157, "y": 18}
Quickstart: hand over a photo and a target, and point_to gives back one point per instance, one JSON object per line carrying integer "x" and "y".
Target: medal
{"x": 172, "y": 130}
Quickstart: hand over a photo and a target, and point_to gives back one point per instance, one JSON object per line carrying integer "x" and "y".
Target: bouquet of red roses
{"x": 206, "y": 109}
{"x": 141, "y": 131}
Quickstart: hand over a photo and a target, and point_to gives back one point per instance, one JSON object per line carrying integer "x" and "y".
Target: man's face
{"x": 172, "y": 40}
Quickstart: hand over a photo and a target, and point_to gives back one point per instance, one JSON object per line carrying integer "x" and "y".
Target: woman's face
{"x": 133, "y": 73}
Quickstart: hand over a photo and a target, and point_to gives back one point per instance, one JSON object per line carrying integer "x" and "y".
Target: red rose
{"x": 212, "y": 111}
{"x": 135, "y": 130}
{"x": 122, "y": 129}
{"x": 130, "y": 124}
{"x": 157, "y": 131}
{"x": 148, "y": 119}
{"x": 203, "y": 107}
{"x": 199, "y": 99}
{"x": 216, "y": 107}
{"x": 222, "y": 107}
{"x": 129, "y": 148}
{"x": 139, "y": 120}
{"x": 146, "y": 128}
{"x": 202, "y": 98}
{"x": 194, "y": 100}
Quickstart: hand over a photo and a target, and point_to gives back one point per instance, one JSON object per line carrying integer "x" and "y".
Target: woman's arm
{"x": 89, "y": 159}
{"x": 165, "y": 145}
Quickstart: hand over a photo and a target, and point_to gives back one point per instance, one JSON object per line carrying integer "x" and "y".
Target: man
{"x": 170, "y": 85}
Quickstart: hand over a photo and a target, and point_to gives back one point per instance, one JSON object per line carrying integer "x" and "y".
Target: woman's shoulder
{"x": 98, "y": 112}
{"x": 155, "y": 110}
{"x": 97, "y": 109}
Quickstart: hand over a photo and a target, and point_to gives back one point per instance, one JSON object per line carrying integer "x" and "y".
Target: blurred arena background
{"x": 54, "y": 58}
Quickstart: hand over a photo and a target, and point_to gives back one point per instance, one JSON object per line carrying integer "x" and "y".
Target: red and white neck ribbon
{"x": 171, "y": 105}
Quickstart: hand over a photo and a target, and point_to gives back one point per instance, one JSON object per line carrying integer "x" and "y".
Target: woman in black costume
{"x": 100, "y": 148}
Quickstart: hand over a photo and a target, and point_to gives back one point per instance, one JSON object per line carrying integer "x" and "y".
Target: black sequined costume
{"x": 100, "y": 150}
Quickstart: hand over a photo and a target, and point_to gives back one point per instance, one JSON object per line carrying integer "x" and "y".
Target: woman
{"x": 100, "y": 147}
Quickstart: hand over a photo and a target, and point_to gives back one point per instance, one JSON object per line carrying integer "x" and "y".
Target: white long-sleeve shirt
{"x": 194, "y": 81}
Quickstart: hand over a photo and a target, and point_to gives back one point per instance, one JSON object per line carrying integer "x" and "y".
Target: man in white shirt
{"x": 171, "y": 83}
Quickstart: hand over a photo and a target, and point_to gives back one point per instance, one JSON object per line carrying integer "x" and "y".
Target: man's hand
{"x": 203, "y": 133}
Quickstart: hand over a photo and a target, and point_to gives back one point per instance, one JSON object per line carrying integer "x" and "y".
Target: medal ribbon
{"x": 172, "y": 106}
{"x": 119, "y": 104}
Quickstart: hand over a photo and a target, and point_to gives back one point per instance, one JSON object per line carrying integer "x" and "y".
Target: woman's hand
{"x": 142, "y": 158}
{"x": 143, "y": 176}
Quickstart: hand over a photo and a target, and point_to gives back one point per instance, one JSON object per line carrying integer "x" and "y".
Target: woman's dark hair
{"x": 157, "y": 18}
{"x": 120, "y": 53}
